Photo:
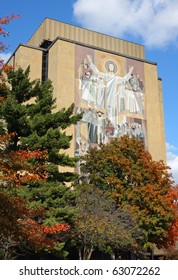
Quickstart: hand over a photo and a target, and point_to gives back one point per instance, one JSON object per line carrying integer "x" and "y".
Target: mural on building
{"x": 110, "y": 93}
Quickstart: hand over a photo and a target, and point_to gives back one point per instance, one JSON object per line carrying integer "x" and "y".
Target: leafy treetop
{"x": 127, "y": 172}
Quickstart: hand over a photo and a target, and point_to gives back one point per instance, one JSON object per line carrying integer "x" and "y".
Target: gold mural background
{"x": 109, "y": 90}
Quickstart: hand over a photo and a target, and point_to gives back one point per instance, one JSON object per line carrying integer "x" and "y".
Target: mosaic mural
{"x": 109, "y": 91}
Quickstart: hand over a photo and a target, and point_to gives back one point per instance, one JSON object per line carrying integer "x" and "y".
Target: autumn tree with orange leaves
{"x": 36, "y": 126}
{"x": 128, "y": 173}
{"x": 22, "y": 223}
{"x": 19, "y": 223}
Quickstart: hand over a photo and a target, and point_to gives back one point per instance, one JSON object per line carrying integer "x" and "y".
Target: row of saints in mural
{"x": 112, "y": 105}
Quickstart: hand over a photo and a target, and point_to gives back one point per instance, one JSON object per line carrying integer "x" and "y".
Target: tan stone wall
{"x": 50, "y": 29}
{"x": 25, "y": 56}
{"x": 11, "y": 61}
{"x": 61, "y": 73}
{"x": 154, "y": 113}
{"x": 162, "y": 127}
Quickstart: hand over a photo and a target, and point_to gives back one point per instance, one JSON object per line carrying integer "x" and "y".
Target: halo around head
{"x": 111, "y": 62}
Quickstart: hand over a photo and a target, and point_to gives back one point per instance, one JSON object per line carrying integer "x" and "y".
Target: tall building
{"x": 107, "y": 78}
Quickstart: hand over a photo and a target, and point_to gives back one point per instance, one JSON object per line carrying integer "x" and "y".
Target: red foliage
{"x": 7, "y": 19}
{"x": 40, "y": 235}
{"x": 4, "y": 32}
{"x": 173, "y": 229}
{"x": 18, "y": 168}
{"x": 4, "y": 21}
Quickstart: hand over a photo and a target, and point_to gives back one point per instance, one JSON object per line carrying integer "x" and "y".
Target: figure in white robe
{"x": 112, "y": 81}
{"x": 88, "y": 89}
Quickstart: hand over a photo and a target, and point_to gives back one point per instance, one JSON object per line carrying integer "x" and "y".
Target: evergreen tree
{"x": 28, "y": 111}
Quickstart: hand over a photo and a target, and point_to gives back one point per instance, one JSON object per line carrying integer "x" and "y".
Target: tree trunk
{"x": 85, "y": 253}
{"x": 113, "y": 256}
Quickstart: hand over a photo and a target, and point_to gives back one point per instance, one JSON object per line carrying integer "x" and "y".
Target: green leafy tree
{"x": 28, "y": 111}
{"x": 100, "y": 226}
{"x": 127, "y": 172}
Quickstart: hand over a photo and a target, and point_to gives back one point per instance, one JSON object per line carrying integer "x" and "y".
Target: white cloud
{"x": 172, "y": 161}
{"x": 5, "y": 56}
{"x": 155, "y": 21}
{"x": 170, "y": 147}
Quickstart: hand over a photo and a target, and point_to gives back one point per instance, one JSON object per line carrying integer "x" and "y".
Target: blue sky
{"x": 153, "y": 23}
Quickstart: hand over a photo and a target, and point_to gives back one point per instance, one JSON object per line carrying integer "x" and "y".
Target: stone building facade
{"x": 107, "y": 78}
